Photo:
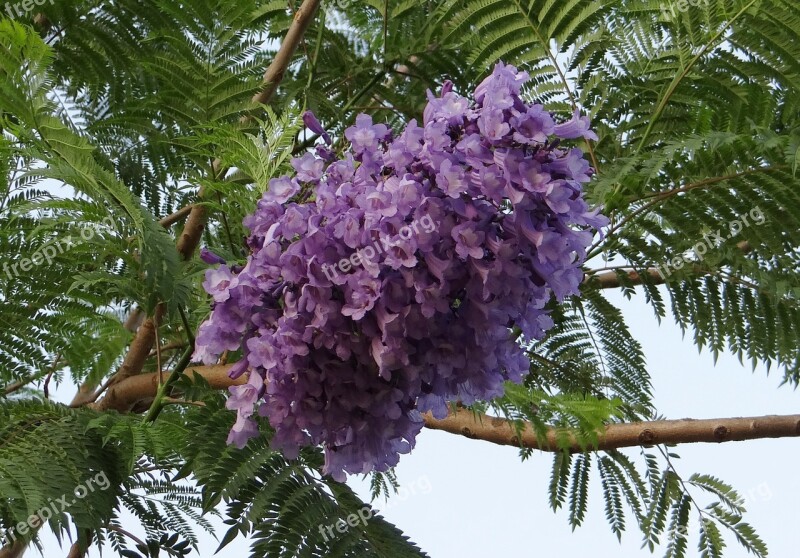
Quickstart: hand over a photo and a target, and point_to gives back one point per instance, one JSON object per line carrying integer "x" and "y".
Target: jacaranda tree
{"x": 269, "y": 243}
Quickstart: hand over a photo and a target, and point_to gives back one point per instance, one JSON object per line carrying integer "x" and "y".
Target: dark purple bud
{"x": 447, "y": 87}
{"x": 238, "y": 369}
{"x": 313, "y": 124}
{"x": 210, "y": 257}
{"x": 325, "y": 154}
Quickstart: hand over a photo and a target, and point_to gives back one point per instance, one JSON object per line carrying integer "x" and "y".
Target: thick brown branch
{"x": 75, "y": 551}
{"x": 88, "y": 391}
{"x": 614, "y": 436}
{"x": 125, "y": 395}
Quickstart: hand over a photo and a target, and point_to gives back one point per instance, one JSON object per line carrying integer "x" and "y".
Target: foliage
{"x": 113, "y": 114}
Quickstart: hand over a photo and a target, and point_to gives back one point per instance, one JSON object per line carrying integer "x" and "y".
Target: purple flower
{"x": 403, "y": 151}
{"x": 451, "y": 108}
{"x": 451, "y": 179}
{"x": 577, "y": 127}
{"x": 308, "y": 167}
{"x": 493, "y": 125}
{"x": 210, "y": 257}
{"x": 504, "y": 78}
{"x": 311, "y": 122}
{"x": 365, "y": 135}
{"x": 360, "y": 296}
{"x": 244, "y": 397}
{"x": 390, "y": 290}
{"x": 469, "y": 240}
{"x": 572, "y": 165}
{"x": 532, "y": 126}
{"x": 243, "y": 430}
{"x": 219, "y": 282}
{"x": 533, "y": 178}
{"x": 281, "y": 189}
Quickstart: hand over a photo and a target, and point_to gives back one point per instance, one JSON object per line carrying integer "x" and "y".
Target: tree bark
{"x": 615, "y": 436}
{"x": 126, "y": 394}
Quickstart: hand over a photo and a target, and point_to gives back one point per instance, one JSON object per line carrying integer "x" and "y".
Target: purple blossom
{"x": 281, "y": 189}
{"x": 308, "y": 167}
{"x": 210, "y": 257}
{"x": 452, "y": 179}
{"x": 243, "y": 430}
{"x": 218, "y": 283}
{"x": 365, "y": 135}
{"x": 311, "y": 122}
{"x": 577, "y": 127}
{"x": 469, "y": 240}
{"x": 244, "y": 397}
{"x": 532, "y": 126}
{"x": 390, "y": 292}
{"x": 450, "y": 107}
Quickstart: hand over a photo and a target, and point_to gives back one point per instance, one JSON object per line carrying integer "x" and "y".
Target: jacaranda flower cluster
{"x": 351, "y": 359}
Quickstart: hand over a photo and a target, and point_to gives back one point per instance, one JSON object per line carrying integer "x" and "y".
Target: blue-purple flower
{"x": 390, "y": 291}
{"x": 577, "y": 127}
{"x": 311, "y": 122}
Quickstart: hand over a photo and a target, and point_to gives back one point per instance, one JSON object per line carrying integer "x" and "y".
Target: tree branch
{"x": 611, "y": 280}
{"x": 274, "y": 74}
{"x": 615, "y": 436}
{"x": 14, "y": 550}
{"x": 128, "y": 393}
{"x": 18, "y": 385}
{"x": 195, "y": 223}
{"x": 124, "y": 395}
{"x": 173, "y": 218}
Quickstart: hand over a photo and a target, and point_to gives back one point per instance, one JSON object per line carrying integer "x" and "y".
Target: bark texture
{"x": 125, "y": 395}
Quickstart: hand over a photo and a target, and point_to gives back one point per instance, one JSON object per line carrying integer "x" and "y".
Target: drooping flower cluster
{"x": 385, "y": 283}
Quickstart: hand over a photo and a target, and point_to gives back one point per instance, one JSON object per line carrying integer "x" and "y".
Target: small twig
{"x": 94, "y": 396}
{"x": 385, "y": 29}
{"x": 163, "y": 388}
{"x": 50, "y": 375}
{"x": 171, "y": 401}
{"x": 158, "y": 353}
{"x": 186, "y": 326}
{"x": 16, "y": 386}
{"x": 170, "y": 347}
{"x": 128, "y": 534}
{"x": 19, "y": 384}
{"x": 226, "y": 226}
